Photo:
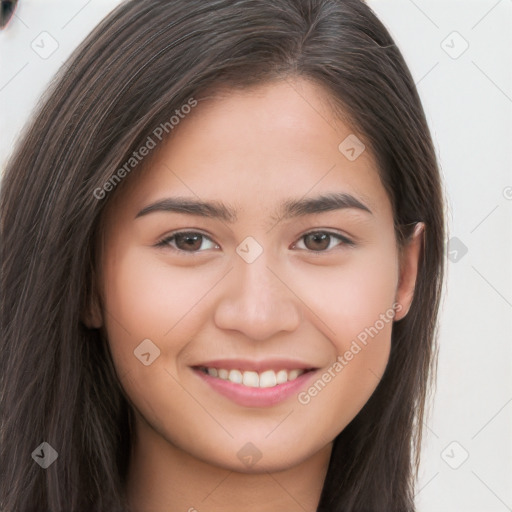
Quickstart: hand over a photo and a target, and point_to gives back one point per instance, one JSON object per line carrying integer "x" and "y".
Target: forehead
{"x": 259, "y": 147}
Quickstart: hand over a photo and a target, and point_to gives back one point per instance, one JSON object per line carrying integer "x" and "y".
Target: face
{"x": 238, "y": 328}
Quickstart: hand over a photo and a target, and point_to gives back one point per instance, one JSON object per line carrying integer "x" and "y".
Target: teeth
{"x": 282, "y": 376}
{"x": 235, "y": 376}
{"x": 251, "y": 379}
{"x": 293, "y": 374}
{"x": 266, "y": 379}
{"x": 223, "y": 374}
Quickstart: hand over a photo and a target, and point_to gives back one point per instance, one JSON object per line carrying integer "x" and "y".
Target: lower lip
{"x": 256, "y": 397}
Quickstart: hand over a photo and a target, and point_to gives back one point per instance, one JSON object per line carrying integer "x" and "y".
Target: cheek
{"x": 354, "y": 304}
{"x": 351, "y": 296}
{"x": 147, "y": 299}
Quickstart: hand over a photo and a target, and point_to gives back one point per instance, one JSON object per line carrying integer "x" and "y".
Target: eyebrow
{"x": 290, "y": 208}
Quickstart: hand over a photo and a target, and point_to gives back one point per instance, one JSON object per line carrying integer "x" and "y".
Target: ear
{"x": 409, "y": 261}
{"x": 92, "y": 315}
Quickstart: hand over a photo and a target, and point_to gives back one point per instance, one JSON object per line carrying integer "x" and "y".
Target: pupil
{"x": 191, "y": 240}
{"x": 320, "y": 237}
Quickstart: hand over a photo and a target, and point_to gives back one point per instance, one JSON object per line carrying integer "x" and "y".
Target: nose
{"x": 257, "y": 301}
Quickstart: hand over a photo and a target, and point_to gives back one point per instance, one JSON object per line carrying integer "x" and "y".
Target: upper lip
{"x": 257, "y": 366}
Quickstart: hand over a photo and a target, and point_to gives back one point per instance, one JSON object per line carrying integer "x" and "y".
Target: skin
{"x": 250, "y": 149}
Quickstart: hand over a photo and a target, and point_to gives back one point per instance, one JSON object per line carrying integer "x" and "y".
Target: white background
{"x": 468, "y": 101}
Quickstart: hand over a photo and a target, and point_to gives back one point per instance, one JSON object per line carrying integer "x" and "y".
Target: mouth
{"x": 253, "y": 379}
{"x": 255, "y": 385}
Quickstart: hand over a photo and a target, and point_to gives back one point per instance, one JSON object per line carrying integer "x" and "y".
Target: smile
{"x": 251, "y": 388}
{"x": 265, "y": 379}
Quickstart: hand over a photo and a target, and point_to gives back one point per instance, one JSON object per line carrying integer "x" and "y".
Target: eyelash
{"x": 165, "y": 242}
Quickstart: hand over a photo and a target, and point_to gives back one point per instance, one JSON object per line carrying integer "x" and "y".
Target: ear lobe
{"x": 409, "y": 262}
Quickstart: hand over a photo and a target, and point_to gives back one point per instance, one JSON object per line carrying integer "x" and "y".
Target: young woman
{"x": 222, "y": 258}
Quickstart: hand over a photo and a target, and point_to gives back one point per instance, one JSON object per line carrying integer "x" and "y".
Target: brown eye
{"x": 320, "y": 241}
{"x": 185, "y": 241}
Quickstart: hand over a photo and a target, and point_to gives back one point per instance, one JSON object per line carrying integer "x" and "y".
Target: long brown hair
{"x": 142, "y": 62}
